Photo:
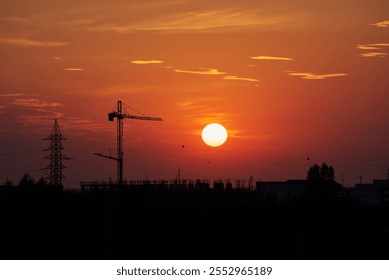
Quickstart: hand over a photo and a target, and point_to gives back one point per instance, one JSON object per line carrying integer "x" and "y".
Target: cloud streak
{"x": 235, "y": 78}
{"x": 312, "y": 76}
{"x": 374, "y": 54}
{"x": 142, "y": 62}
{"x": 375, "y": 46}
{"x": 367, "y": 47}
{"x": 36, "y": 112}
{"x": 209, "y": 108}
{"x": 24, "y": 42}
{"x": 83, "y": 126}
{"x": 38, "y": 123}
{"x": 35, "y": 103}
{"x": 202, "y": 71}
{"x": 73, "y": 69}
{"x": 384, "y": 23}
{"x": 265, "y": 57}
{"x": 11, "y": 94}
{"x": 225, "y": 19}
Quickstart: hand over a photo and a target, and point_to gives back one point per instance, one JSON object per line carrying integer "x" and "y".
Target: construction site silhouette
{"x": 316, "y": 218}
{"x": 39, "y": 222}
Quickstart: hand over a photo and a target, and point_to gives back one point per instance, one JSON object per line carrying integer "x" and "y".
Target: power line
{"x": 19, "y": 153}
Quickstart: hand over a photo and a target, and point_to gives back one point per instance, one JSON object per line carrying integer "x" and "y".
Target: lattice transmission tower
{"x": 56, "y": 157}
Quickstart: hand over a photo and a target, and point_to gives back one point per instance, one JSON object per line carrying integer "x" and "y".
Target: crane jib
{"x": 113, "y": 115}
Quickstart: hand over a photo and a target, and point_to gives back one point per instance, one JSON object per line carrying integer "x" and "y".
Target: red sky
{"x": 288, "y": 80}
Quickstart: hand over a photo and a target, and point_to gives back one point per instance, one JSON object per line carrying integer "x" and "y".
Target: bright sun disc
{"x": 214, "y": 135}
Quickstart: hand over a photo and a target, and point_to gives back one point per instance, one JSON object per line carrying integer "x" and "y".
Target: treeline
{"x": 29, "y": 183}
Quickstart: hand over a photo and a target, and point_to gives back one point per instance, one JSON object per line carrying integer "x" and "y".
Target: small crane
{"x": 120, "y": 116}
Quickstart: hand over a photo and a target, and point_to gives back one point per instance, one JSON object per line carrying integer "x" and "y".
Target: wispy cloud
{"x": 380, "y": 44}
{"x": 22, "y": 20}
{"x": 165, "y": 16}
{"x": 374, "y": 54}
{"x": 38, "y": 123}
{"x": 384, "y": 23}
{"x": 312, "y": 76}
{"x": 202, "y": 71}
{"x": 83, "y": 126}
{"x": 146, "y": 61}
{"x": 367, "y": 47}
{"x": 11, "y": 94}
{"x": 236, "y": 78}
{"x": 199, "y": 106}
{"x": 24, "y": 42}
{"x": 35, "y": 103}
{"x": 265, "y": 57}
{"x": 73, "y": 69}
{"x": 209, "y": 108}
{"x": 43, "y": 20}
{"x": 375, "y": 46}
{"x": 39, "y": 120}
{"x": 37, "y": 112}
{"x": 221, "y": 20}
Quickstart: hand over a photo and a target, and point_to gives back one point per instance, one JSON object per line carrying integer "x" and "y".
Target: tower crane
{"x": 120, "y": 116}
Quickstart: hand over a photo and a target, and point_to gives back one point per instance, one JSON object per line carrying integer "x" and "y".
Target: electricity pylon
{"x": 55, "y": 177}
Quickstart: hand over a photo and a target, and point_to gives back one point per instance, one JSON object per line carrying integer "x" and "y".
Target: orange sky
{"x": 289, "y": 80}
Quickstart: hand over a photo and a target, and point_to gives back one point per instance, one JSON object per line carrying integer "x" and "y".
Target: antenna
{"x": 251, "y": 182}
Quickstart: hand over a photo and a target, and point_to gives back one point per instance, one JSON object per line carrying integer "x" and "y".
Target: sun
{"x": 214, "y": 134}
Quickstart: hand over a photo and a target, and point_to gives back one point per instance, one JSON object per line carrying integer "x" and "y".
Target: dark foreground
{"x": 186, "y": 225}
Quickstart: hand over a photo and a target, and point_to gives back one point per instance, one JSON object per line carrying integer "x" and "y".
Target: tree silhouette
{"x": 321, "y": 182}
{"x": 27, "y": 181}
{"x": 8, "y": 183}
{"x": 324, "y": 173}
{"x": 41, "y": 184}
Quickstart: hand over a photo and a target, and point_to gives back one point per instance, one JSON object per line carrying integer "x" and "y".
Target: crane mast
{"x": 119, "y": 153}
{"x": 119, "y": 144}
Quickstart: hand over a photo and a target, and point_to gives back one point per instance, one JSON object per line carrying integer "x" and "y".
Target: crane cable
{"x": 132, "y": 109}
